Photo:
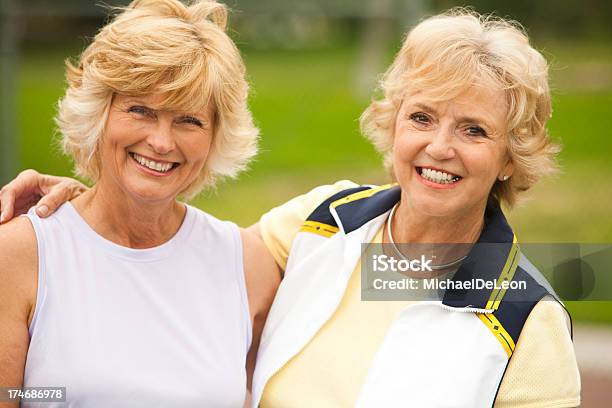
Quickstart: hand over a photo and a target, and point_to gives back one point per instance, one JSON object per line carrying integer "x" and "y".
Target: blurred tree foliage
{"x": 299, "y": 23}
{"x": 566, "y": 18}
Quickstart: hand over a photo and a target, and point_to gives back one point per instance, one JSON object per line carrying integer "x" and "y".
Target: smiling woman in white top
{"x": 118, "y": 296}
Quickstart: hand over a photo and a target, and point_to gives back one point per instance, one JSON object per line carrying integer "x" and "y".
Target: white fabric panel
{"x": 435, "y": 358}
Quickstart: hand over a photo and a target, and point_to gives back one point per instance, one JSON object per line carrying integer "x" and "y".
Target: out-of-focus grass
{"x": 308, "y": 114}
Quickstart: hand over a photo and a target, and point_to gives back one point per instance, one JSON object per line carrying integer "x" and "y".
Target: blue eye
{"x": 136, "y": 109}
{"x": 141, "y": 110}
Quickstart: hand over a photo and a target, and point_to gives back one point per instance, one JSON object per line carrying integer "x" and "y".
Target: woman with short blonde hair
{"x": 126, "y": 296}
{"x": 446, "y": 55}
{"x": 462, "y": 128}
{"x": 166, "y": 47}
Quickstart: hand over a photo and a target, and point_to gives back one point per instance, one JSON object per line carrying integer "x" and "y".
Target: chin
{"x": 437, "y": 211}
{"x": 153, "y": 193}
{"x": 434, "y": 207}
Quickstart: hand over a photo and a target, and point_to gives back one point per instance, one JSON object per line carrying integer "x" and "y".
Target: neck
{"x": 127, "y": 221}
{"x": 420, "y": 231}
{"x": 411, "y": 226}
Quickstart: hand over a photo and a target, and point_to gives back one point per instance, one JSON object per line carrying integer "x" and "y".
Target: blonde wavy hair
{"x": 167, "y": 47}
{"x": 445, "y": 55}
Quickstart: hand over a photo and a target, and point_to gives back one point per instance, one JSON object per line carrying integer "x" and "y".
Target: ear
{"x": 506, "y": 171}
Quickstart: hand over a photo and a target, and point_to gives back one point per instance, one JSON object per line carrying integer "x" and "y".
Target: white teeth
{"x": 153, "y": 165}
{"x": 439, "y": 177}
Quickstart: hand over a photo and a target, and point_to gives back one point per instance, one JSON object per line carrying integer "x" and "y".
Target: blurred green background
{"x": 314, "y": 72}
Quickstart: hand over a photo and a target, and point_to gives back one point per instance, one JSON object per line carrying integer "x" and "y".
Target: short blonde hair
{"x": 167, "y": 47}
{"x": 450, "y": 52}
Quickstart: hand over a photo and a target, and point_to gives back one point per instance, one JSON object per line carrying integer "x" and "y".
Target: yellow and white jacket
{"x": 449, "y": 353}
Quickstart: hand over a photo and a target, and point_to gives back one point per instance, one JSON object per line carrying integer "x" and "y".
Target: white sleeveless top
{"x": 118, "y": 327}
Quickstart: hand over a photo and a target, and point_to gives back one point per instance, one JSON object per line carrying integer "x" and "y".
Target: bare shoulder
{"x": 18, "y": 260}
{"x": 261, "y": 272}
{"x": 18, "y": 241}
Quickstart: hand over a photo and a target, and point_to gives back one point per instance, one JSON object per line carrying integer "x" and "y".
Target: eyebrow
{"x": 137, "y": 101}
{"x": 472, "y": 119}
{"x": 426, "y": 108}
{"x": 202, "y": 116}
{"x": 475, "y": 120}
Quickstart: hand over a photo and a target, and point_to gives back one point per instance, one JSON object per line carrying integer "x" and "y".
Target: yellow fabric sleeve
{"x": 280, "y": 225}
{"x": 543, "y": 371}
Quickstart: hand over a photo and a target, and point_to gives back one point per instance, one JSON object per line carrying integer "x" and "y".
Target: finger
{"x": 46, "y": 183}
{"x": 76, "y": 189}
{"x": 7, "y": 205}
{"x": 24, "y": 186}
{"x": 57, "y": 196}
{"x": 26, "y": 182}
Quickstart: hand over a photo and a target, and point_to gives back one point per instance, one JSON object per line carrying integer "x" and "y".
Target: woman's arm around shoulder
{"x": 18, "y": 286}
{"x": 262, "y": 276}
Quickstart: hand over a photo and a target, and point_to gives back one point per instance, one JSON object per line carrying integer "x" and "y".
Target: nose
{"x": 161, "y": 139}
{"x": 440, "y": 146}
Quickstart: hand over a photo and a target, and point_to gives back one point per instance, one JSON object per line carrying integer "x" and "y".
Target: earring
{"x": 504, "y": 178}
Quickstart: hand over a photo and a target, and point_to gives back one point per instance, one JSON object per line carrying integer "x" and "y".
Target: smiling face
{"x": 447, "y": 155}
{"x": 151, "y": 154}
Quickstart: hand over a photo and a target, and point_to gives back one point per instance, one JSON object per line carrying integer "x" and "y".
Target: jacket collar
{"x": 353, "y": 211}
